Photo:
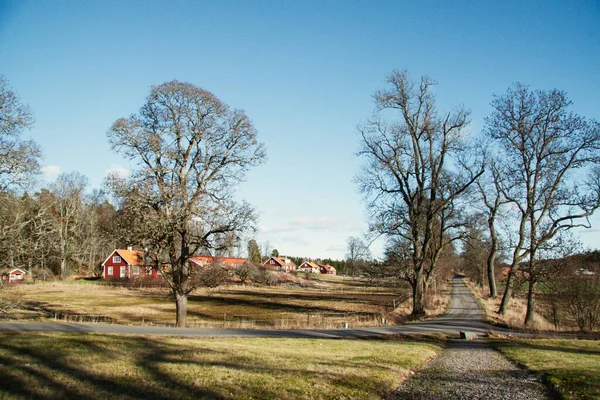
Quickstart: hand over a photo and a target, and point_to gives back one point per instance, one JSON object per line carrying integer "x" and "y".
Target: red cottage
{"x": 128, "y": 264}
{"x": 280, "y": 264}
{"x": 327, "y": 269}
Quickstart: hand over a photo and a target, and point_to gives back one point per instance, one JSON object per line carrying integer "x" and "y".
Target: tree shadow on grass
{"x": 52, "y": 373}
{"x": 117, "y": 367}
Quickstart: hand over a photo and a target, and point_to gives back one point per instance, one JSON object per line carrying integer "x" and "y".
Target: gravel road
{"x": 473, "y": 370}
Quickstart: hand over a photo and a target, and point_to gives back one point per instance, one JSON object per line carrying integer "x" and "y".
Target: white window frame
{"x": 109, "y": 271}
{"x": 116, "y": 259}
{"x": 148, "y": 271}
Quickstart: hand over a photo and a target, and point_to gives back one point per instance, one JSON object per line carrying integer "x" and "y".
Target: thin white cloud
{"x": 118, "y": 170}
{"x": 51, "y": 172}
{"x": 276, "y": 229}
{"x": 316, "y": 223}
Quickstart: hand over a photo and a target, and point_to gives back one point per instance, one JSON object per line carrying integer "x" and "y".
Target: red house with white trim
{"x": 14, "y": 275}
{"x": 280, "y": 264}
{"x": 128, "y": 264}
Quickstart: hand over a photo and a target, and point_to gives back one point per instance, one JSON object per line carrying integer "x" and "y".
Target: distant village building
{"x": 310, "y": 267}
{"x": 280, "y": 264}
{"x": 327, "y": 269}
{"x": 128, "y": 264}
{"x": 13, "y": 275}
{"x": 203, "y": 261}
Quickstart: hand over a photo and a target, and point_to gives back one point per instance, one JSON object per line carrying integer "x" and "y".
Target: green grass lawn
{"x": 125, "y": 367}
{"x": 572, "y": 366}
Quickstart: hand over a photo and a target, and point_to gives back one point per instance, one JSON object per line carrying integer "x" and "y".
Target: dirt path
{"x": 471, "y": 369}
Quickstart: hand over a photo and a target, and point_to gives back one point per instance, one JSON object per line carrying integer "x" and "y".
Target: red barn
{"x": 128, "y": 264}
{"x": 327, "y": 269}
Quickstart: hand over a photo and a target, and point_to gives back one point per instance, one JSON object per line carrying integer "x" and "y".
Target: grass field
{"x": 327, "y": 303}
{"x": 572, "y": 366}
{"x": 53, "y": 366}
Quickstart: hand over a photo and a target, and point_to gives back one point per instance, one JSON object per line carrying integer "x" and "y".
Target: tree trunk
{"x": 419, "y": 295}
{"x": 508, "y": 291}
{"x": 181, "y": 306}
{"x": 481, "y": 277}
{"x": 530, "y": 302}
{"x": 491, "y": 261}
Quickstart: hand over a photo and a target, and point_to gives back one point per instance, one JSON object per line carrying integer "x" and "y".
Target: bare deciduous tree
{"x": 191, "y": 150}
{"x": 358, "y": 255}
{"x": 411, "y": 190}
{"x": 67, "y": 213}
{"x": 489, "y": 186}
{"x": 546, "y": 151}
{"x": 19, "y": 159}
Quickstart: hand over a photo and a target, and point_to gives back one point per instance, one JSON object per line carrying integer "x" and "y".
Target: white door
{"x": 123, "y": 271}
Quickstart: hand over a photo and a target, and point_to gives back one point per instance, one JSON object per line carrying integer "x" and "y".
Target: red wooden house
{"x": 327, "y": 269}
{"x": 280, "y": 264}
{"x": 128, "y": 264}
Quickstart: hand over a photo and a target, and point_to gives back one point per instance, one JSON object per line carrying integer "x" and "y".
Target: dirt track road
{"x": 463, "y": 315}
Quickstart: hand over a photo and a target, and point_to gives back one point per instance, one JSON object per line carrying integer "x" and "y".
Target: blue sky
{"x": 304, "y": 72}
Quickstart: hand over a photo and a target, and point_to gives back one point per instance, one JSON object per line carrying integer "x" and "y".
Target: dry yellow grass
{"x": 514, "y": 317}
{"x": 436, "y": 305}
{"x": 329, "y": 304}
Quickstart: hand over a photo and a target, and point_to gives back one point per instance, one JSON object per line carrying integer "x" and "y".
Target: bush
{"x": 264, "y": 276}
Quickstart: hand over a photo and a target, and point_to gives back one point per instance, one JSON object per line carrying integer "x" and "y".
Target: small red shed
{"x": 14, "y": 275}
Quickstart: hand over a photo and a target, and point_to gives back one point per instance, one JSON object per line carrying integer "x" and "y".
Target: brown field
{"x": 328, "y": 302}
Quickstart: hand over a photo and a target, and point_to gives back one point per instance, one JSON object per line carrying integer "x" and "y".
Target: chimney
{"x": 130, "y": 248}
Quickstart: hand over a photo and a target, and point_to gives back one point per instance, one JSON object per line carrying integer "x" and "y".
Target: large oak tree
{"x": 410, "y": 182}
{"x": 190, "y": 151}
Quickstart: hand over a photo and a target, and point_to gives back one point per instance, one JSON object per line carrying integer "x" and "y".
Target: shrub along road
{"x": 463, "y": 315}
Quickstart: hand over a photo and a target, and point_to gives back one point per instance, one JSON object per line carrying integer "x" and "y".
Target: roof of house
{"x": 327, "y": 267}
{"x": 311, "y": 264}
{"x": 131, "y": 257}
{"x": 203, "y": 260}
{"x": 282, "y": 262}
{"x": 11, "y": 271}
